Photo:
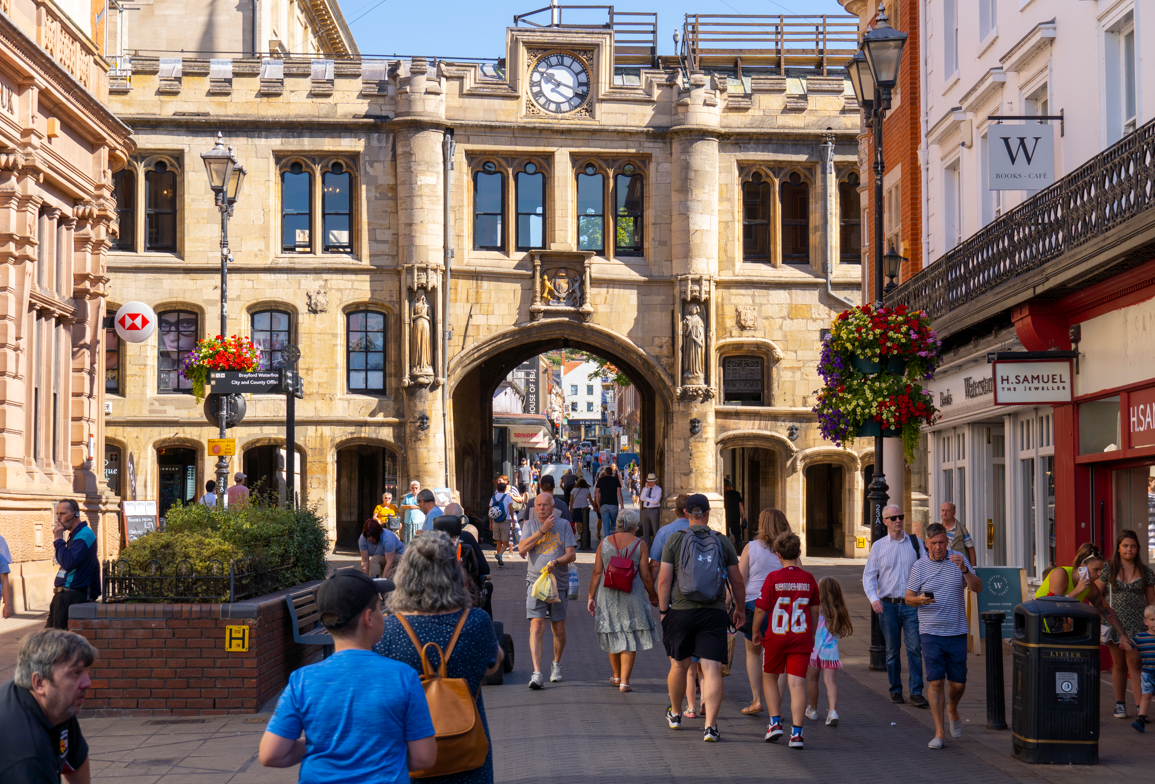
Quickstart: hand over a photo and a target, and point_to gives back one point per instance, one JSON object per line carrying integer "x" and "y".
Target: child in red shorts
{"x": 787, "y": 596}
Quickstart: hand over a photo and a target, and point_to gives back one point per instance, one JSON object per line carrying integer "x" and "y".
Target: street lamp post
{"x": 873, "y": 74}
{"x": 226, "y": 175}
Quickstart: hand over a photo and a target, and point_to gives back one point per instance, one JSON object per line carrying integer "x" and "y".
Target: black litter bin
{"x": 1055, "y": 705}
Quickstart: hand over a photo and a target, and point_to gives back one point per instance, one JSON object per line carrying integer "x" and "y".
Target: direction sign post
{"x": 261, "y": 382}
{"x": 290, "y": 355}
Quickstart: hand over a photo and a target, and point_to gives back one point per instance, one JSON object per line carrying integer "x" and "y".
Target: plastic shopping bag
{"x": 545, "y": 588}
{"x": 574, "y": 584}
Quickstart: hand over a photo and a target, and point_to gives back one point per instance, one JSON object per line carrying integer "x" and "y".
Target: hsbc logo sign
{"x": 135, "y": 322}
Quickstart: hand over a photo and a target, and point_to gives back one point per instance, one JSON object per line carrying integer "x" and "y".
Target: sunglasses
{"x": 896, "y": 517}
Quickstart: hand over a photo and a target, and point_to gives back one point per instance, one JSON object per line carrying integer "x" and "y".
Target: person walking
{"x": 501, "y": 519}
{"x": 380, "y": 549}
{"x": 238, "y": 494}
{"x": 679, "y": 523}
{"x": 735, "y": 508}
{"x": 364, "y": 717}
{"x": 622, "y": 617}
{"x": 607, "y": 501}
{"x": 884, "y": 582}
{"x": 756, "y": 563}
{"x": 210, "y": 496}
{"x": 524, "y": 477}
{"x": 937, "y": 587}
{"x": 432, "y": 603}
{"x": 78, "y": 579}
{"x": 1145, "y": 645}
{"x": 1129, "y": 585}
{"x": 580, "y": 500}
{"x": 957, "y": 536}
{"x": 697, "y": 563}
{"x": 833, "y": 625}
{"x": 568, "y": 483}
{"x": 650, "y": 501}
{"x": 7, "y": 608}
{"x": 548, "y": 543}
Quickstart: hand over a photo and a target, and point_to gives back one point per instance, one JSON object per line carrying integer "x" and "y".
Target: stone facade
{"x": 58, "y": 148}
{"x": 692, "y": 137}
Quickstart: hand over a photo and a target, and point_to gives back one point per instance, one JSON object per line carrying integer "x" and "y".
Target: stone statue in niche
{"x": 693, "y": 347}
{"x": 420, "y": 338}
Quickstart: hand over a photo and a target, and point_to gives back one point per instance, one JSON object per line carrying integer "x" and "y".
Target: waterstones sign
{"x": 1021, "y": 157}
{"x": 963, "y": 391}
{"x": 1027, "y": 382}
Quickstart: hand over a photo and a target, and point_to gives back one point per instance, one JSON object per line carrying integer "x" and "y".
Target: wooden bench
{"x": 306, "y": 620}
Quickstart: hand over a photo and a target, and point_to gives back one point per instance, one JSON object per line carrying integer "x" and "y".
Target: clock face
{"x": 559, "y": 82}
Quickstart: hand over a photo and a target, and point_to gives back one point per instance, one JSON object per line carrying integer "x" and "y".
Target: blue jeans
{"x": 609, "y": 519}
{"x": 901, "y": 620}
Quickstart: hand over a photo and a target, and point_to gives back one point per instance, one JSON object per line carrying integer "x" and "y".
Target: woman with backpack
{"x": 501, "y": 516}
{"x": 431, "y": 604}
{"x": 621, "y": 594}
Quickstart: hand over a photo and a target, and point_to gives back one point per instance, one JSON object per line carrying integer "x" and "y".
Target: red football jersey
{"x": 788, "y": 596}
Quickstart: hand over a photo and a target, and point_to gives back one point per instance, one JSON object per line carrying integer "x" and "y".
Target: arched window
{"x": 111, "y": 355}
{"x": 336, "y": 210}
{"x": 795, "y": 220}
{"x": 743, "y": 381}
{"x": 628, "y": 211}
{"x": 850, "y": 220}
{"x": 160, "y": 208}
{"x": 270, "y": 334}
{"x": 530, "y": 208}
{"x": 365, "y": 339}
{"x": 591, "y": 204}
{"x": 756, "y": 219}
{"x": 178, "y": 336}
{"x": 296, "y": 212}
{"x": 112, "y": 463}
{"x": 488, "y": 208}
{"x": 124, "y": 188}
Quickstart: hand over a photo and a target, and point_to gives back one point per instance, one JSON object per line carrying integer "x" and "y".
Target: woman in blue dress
{"x": 432, "y": 592}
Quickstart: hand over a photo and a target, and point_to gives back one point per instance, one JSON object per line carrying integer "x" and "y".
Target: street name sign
{"x": 261, "y": 382}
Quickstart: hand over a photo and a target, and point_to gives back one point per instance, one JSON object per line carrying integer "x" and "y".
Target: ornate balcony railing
{"x": 736, "y": 40}
{"x": 1115, "y": 186}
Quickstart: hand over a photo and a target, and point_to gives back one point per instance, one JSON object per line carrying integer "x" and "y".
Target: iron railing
{"x": 635, "y": 32}
{"x": 243, "y": 578}
{"x": 732, "y": 40}
{"x": 1109, "y": 189}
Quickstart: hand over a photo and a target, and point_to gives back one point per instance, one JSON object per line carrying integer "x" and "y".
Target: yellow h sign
{"x": 236, "y": 639}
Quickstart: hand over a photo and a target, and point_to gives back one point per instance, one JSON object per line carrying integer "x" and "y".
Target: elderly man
{"x": 884, "y": 581}
{"x": 238, "y": 494}
{"x": 427, "y": 505}
{"x": 958, "y": 538}
{"x": 41, "y": 739}
{"x": 409, "y": 509}
{"x": 650, "y": 500}
{"x": 937, "y": 588}
{"x": 78, "y": 580}
{"x": 548, "y": 542}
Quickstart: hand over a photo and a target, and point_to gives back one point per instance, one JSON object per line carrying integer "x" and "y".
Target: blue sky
{"x": 476, "y": 28}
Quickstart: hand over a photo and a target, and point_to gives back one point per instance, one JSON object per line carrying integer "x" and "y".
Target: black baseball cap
{"x": 346, "y": 594}
{"x": 699, "y": 502}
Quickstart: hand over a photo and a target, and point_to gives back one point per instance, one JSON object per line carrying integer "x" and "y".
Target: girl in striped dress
{"x": 833, "y": 624}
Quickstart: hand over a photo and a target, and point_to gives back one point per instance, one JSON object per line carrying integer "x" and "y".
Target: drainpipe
{"x": 449, "y": 147}
{"x": 827, "y": 201}
{"x": 256, "y": 28}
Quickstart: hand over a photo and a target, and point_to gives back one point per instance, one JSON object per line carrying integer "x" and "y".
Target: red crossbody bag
{"x": 620, "y": 572}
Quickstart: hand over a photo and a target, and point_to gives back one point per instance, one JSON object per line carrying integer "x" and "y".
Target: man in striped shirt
{"x": 937, "y": 588}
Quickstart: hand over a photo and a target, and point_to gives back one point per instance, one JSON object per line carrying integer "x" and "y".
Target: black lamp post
{"x": 892, "y": 263}
{"x": 226, "y": 176}
{"x": 873, "y": 74}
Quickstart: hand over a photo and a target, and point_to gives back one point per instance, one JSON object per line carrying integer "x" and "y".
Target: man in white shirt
{"x": 651, "y": 503}
{"x": 210, "y": 496}
{"x": 884, "y": 580}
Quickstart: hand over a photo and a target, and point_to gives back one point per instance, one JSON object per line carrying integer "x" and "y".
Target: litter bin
{"x": 1055, "y": 705}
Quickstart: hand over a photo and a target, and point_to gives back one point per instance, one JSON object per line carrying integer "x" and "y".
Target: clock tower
{"x": 560, "y": 73}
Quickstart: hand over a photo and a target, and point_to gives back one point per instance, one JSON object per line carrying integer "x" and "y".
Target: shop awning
{"x": 529, "y": 431}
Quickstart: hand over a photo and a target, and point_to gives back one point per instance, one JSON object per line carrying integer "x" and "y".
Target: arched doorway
{"x": 264, "y": 468}
{"x": 756, "y": 462}
{"x": 364, "y": 472}
{"x": 825, "y": 513}
{"x": 177, "y": 480}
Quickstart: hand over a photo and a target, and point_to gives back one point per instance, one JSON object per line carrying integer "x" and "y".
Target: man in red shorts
{"x": 787, "y": 596}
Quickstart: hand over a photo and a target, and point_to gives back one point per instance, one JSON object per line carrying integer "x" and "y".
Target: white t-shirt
{"x": 761, "y": 562}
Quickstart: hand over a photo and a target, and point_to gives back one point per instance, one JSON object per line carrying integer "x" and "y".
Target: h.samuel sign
{"x": 1026, "y": 382}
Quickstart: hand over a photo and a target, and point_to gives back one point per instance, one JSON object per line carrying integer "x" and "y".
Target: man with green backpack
{"x": 697, "y": 565}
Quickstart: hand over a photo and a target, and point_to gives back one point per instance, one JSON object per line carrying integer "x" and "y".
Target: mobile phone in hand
{"x": 1084, "y": 574}
{"x": 928, "y": 594}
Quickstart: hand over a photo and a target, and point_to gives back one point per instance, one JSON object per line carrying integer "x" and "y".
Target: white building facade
{"x": 582, "y": 388}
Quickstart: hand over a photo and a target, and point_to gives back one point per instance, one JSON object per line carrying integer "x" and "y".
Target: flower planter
{"x": 872, "y": 428}
{"x": 866, "y": 366}
{"x": 896, "y": 365}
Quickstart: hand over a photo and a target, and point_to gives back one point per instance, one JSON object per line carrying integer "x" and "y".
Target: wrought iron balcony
{"x": 1097, "y": 220}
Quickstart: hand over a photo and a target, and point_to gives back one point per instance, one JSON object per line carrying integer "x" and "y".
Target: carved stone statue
{"x": 558, "y": 290}
{"x": 420, "y": 338}
{"x": 693, "y": 347}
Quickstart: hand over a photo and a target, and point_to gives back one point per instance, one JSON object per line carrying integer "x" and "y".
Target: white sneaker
{"x": 555, "y": 673}
{"x": 832, "y": 718}
{"x": 535, "y": 681}
{"x": 1120, "y": 710}
{"x": 812, "y": 714}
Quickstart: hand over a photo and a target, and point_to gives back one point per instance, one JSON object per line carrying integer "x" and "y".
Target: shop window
{"x": 112, "y": 347}
{"x": 756, "y": 196}
{"x": 743, "y": 381}
{"x": 178, "y": 336}
{"x": 160, "y": 208}
{"x": 628, "y": 211}
{"x": 366, "y": 351}
{"x": 850, "y": 220}
{"x": 336, "y": 210}
{"x": 270, "y": 334}
{"x": 591, "y": 209}
{"x": 530, "y": 184}
{"x": 296, "y": 212}
{"x": 488, "y": 208}
{"x": 124, "y": 189}
{"x": 1099, "y": 426}
{"x": 795, "y": 198}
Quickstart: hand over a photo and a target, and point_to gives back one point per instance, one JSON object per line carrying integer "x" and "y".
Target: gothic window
{"x": 591, "y": 209}
{"x": 850, "y": 221}
{"x": 160, "y": 208}
{"x": 795, "y": 196}
{"x": 296, "y": 212}
{"x": 488, "y": 208}
{"x": 530, "y": 184}
{"x": 756, "y": 195}
{"x": 270, "y": 334}
{"x": 178, "y": 336}
{"x": 336, "y": 209}
{"x": 365, "y": 340}
{"x": 628, "y": 211}
{"x": 124, "y": 188}
{"x": 743, "y": 381}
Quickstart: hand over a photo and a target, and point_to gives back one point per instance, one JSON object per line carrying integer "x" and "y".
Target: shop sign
{"x": 1141, "y": 417}
{"x": 1028, "y": 382}
{"x": 1022, "y": 157}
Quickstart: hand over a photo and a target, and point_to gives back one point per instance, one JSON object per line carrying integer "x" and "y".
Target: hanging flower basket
{"x": 233, "y": 353}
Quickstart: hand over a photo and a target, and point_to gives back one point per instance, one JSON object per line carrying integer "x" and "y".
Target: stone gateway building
{"x": 421, "y": 227}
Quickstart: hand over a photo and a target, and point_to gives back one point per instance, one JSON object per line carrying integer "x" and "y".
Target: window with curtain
{"x": 850, "y": 220}
{"x": 296, "y": 211}
{"x": 795, "y": 220}
{"x": 111, "y": 355}
{"x": 365, "y": 339}
{"x": 160, "y": 204}
{"x": 270, "y": 334}
{"x": 756, "y": 219}
{"x": 178, "y": 336}
{"x": 530, "y": 184}
{"x": 628, "y": 208}
{"x": 591, "y": 209}
{"x": 743, "y": 381}
{"x": 336, "y": 209}
{"x": 488, "y": 208}
{"x": 124, "y": 189}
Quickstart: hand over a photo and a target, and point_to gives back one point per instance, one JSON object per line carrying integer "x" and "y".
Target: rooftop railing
{"x": 635, "y": 32}
{"x": 816, "y": 43}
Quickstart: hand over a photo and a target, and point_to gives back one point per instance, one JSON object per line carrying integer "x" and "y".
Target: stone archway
{"x": 476, "y": 373}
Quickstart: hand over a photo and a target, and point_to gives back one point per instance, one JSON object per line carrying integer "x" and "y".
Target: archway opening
{"x": 264, "y": 468}
{"x": 754, "y": 477}
{"x": 825, "y": 502}
{"x": 364, "y": 472}
{"x": 177, "y": 481}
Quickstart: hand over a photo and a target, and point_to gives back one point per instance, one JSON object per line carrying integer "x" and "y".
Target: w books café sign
{"x": 1020, "y": 157}
{"x": 1028, "y": 382}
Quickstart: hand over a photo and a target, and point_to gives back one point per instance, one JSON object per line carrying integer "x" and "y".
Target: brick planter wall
{"x": 170, "y": 659}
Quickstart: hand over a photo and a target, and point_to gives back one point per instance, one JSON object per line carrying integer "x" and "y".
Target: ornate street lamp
{"x": 892, "y": 263}
{"x": 226, "y": 177}
{"x": 883, "y": 49}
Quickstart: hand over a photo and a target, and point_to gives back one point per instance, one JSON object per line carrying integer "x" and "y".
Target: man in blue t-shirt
{"x": 364, "y": 717}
